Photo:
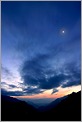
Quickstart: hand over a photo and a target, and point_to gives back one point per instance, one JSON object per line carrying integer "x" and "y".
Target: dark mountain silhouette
{"x": 14, "y": 109}
{"x": 67, "y": 108}
{"x": 52, "y": 104}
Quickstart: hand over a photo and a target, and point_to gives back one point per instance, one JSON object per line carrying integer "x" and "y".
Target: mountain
{"x": 52, "y": 104}
{"x": 67, "y": 108}
{"x": 38, "y": 101}
{"x": 14, "y": 109}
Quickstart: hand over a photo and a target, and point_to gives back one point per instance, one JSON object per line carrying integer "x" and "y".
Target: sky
{"x": 41, "y": 48}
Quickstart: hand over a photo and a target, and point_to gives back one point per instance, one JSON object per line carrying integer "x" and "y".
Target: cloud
{"x": 74, "y": 76}
{"x": 54, "y": 91}
{"x": 47, "y": 71}
{"x": 71, "y": 83}
{"x": 11, "y": 93}
{"x": 29, "y": 91}
{"x": 33, "y": 70}
{"x": 10, "y": 87}
{"x": 13, "y": 90}
{"x": 13, "y": 86}
{"x": 6, "y": 73}
{"x": 37, "y": 47}
{"x": 53, "y": 82}
{"x": 32, "y": 90}
{"x": 37, "y": 72}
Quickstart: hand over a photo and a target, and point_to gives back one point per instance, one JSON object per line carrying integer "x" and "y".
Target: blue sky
{"x": 41, "y": 46}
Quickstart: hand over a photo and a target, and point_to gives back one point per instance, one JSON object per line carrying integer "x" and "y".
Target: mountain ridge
{"x": 67, "y": 109}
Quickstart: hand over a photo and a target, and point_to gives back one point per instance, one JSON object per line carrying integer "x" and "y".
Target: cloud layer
{"x": 36, "y": 56}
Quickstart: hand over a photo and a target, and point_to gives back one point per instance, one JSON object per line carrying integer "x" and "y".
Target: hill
{"x": 67, "y": 108}
{"x": 52, "y": 104}
{"x": 14, "y": 109}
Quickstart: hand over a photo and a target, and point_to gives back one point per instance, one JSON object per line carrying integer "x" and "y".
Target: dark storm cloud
{"x": 34, "y": 69}
{"x": 52, "y": 82}
{"x": 31, "y": 91}
{"x": 37, "y": 72}
{"x": 75, "y": 76}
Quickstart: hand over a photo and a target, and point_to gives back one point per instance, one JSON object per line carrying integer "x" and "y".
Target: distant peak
{"x": 73, "y": 93}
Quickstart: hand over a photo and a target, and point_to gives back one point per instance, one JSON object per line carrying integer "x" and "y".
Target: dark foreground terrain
{"x": 67, "y": 108}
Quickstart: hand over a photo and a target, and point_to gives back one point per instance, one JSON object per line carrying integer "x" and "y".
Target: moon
{"x": 63, "y": 31}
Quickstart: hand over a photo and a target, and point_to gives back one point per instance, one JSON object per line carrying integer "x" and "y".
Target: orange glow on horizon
{"x": 47, "y": 94}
